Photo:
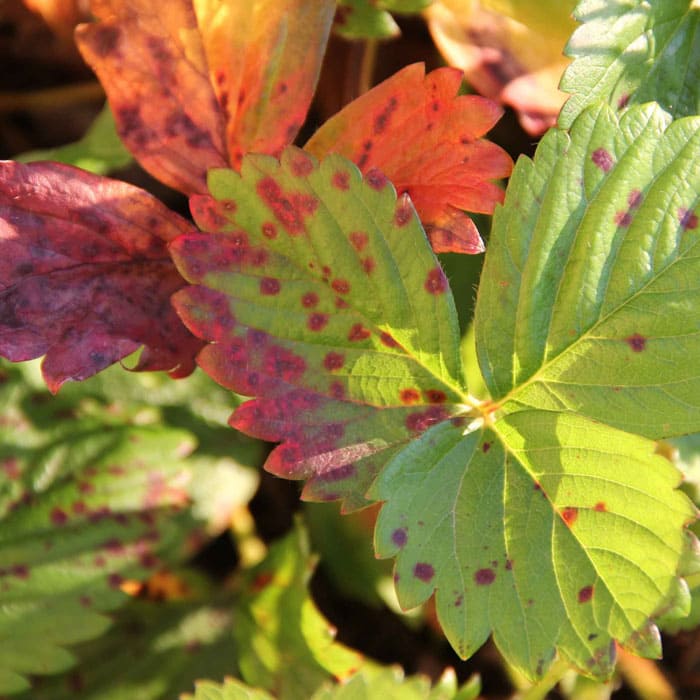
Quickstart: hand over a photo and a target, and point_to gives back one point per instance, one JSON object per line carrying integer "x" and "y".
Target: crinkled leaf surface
{"x": 594, "y": 271}
{"x": 634, "y": 51}
{"x": 100, "y": 151}
{"x": 509, "y": 50}
{"x": 87, "y": 500}
{"x": 155, "y": 651}
{"x": 541, "y": 524}
{"x": 360, "y": 347}
{"x": 427, "y": 140}
{"x": 198, "y": 86}
{"x": 85, "y": 274}
{"x": 284, "y": 644}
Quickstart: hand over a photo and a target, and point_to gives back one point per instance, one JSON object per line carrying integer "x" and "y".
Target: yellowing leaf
{"x": 196, "y": 86}
{"x": 427, "y": 140}
{"x": 509, "y": 51}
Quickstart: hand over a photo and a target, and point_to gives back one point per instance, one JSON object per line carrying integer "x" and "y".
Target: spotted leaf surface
{"x": 547, "y": 530}
{"x": 85, "y": 274}
{"x": 198, "y": 86}
{"x": 324, "y": 300}
{"x": 88, "y": 502}
{"x": 279, "y": 631}
{"x": 630, "y": 52}
{"x": 589, "y": 299}
{"x": 427, "y": 140}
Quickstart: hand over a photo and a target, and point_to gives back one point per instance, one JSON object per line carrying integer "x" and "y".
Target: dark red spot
{"x": 600, "y": 507}
{"x": 105, "y": 39}
{"x": 602, "y": 159}
{"x": 359, "y": 240}
{"x": 289, "y": 208}
{"x": 486, "y": 447}
{"x": 85, "y": 601}
{"x": 458, "y": 421}
{"x": 341, "y": 286}
{"x": 282, "y": 363}
{"x": 178, "y": 124}
{"x": 302, "y": 165}
{"x": 435, "y": 282}
{"x": 623, "y": 218}
{"x": 424, "y": 572}
{"x": 258, "y": 257}
{"x": 636, "y": 342}
{"x": 261, "y": 581}
{"x": 403, "y": 211}
{"x": 368, "y": 265}
{"x": 341, "y": 180}
{"x": 115, "y": 580}
{"x": 585, "y": 594}
{"x": 317, "y": 322}
{"x": 326, "y": 272}
{"x": 269, "y": 286}
{"x": 435, "y": 396}
{"x": 20, "y": 571}
{"x": 569, "y": 515}
{"x": 623, "y": 101}
{"x": 148, "y": 560}
{"x": 484, "y": 577}
{"x": 333, "y": 361}
{"x": 388, "y": 340}
{"x": 337, "y": 390}
{"x": 341, "y": 303}
{"x": 358, "y": 332}
{"x": 688, "y": 219}
{"x": 309, "y": 300}
{"x": 509, "y": 564}
{"x": 269, "y": 230}
{"x": 422, "y": 420}
{"x": 11, "y": 468}
{"x": 376, "y": 179}
{"x": 399, "y": 537}
{"x": 381, "y": 121}
{"x": 435, "y": 106}
{"x": 634, "y": 199}
{"x": 58, "y": 517}
{"x": 409, "y": 396}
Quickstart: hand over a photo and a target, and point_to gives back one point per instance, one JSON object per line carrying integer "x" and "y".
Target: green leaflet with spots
{"x": 593, "y": 267}
{"x": 633, "y": 51}
{"x": 327, "y": 302}
{"x": 533, "y": 519}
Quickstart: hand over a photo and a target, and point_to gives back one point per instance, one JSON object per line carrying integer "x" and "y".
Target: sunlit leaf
{"x": 355, "y": 359}
{"x": 633, "y": 51}
{"x": 100, "y": 151}
{"x": 284, "y": 643}
{"x": 197, "y": 86}
{"x": 509, "y": 50}
{"x": 231, "y": 689}
{"x": 427, "y": 140}
{"x": 85, "y": 274}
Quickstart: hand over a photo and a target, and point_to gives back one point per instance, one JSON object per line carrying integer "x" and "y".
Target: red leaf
{"x": 426, "y": 140}
{"x": 198, "y": 85}
{"x": 85, "y": 274}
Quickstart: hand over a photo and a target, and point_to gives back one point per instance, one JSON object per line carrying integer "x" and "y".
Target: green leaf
{"x": 353, "y": 362}
{"x": 231, "y": 689}
{"x": 100, "y": 151}
{"x": 371, "y": 19}
{"x": 284, "y": 643}
{"x": 592, "y": 267}
{"x": 155, "y": 651}
{"x": 633, "y": 51}
{"x": 92, "y": 493}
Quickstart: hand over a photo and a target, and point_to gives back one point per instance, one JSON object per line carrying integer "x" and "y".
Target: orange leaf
{"x": 426, "y": 140}
{"x": 198, "y": 84}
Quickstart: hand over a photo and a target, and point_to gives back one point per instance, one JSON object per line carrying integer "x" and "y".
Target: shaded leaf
{"x": 632, "y": 51}
{"x": 593, "y": 270}
{"x": 427, "y": 140}
{"x": 284, "y": 643}
{"x": 85, "y": 275}
{"x": 366, "y": 19}
{"x": 353, "y": 362}
{"x": 100, "y": 151}
{"x": 198, "y": 86}
{"x": 509, "y": 51}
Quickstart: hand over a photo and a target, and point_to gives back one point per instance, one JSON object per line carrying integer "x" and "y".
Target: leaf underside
{"x": 85, "y": 274}
{"x": 630, "y": 52}
{"x": 323, "y": 299}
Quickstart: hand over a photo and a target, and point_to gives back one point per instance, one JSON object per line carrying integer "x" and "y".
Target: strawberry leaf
{"x": 85, "y": 275}
{"x": 592, "y": 270}
{"x": 427, "y": 140}
{"x": 633, "y": 52}
{"x": 365, "y": 19}
{"x": 198, "y": 86}
{"x": 352, "y": 363}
